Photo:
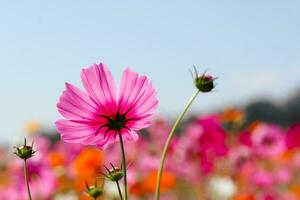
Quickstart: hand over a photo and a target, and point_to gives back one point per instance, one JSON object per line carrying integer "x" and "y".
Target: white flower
{"x": 66, "y": 196}
{"x": 221, "y": 188}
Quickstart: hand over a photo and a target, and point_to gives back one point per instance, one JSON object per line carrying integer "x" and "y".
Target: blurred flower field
{"x": 199, "y": 100}
{"x": 212, "y": 157}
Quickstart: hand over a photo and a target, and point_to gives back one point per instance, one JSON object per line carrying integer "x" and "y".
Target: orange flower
{"x": 4, "y": 176}
{"x": 295, "y": 189}
{"x": 86, "y": 166}
{"x": 137, "y": 189}
{"x": 148, "y": 184}
{"x": 287, "y": 156}
{"x": 56, "y": 159}
{"x": 254, "y": 125}
{"x": 244, "y": 197}
{"x": 232, "y": 115}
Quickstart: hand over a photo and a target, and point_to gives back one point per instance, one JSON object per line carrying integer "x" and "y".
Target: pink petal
{"x": 99, "y": 83}
{"x": 140, "y": 124}
{"x": 97, "y": 139}
{"x": 130, "y": 135}
{"x": 83, "y": 132}
{"x": 139, "y": 96}
{"x": 74, "y": 132}
{"x": 109, "y": 140}
{"x": 127, "y": 135}
{"x": 75, "y": 104}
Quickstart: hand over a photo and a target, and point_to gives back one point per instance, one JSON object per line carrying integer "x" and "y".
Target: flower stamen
{"x": 115, "y": 123}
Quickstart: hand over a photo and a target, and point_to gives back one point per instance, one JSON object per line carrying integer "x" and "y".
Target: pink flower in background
{"x": 268, "y": 140}
{"x": 96, "y": 115}
{"x": 263, "y": 178}
{"x": 283, "y": 175}
{"x": 42, "y": 179}
{"x": 211, "y": 143}
{"x": 292, "y": 137}
{"x": 269, "y": 197}
{"x": 245, "y": 138}
{"x": 239, "y": 156}
{"x": 159, "y": 129}
{"x": 212, "y": 136}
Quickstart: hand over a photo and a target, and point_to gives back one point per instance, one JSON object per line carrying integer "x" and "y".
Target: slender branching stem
{"x": 167, "y": 144}
{"x": 119, "y": 190}
{"x": 26, "y": 179}
{"x": 123, "y": 164}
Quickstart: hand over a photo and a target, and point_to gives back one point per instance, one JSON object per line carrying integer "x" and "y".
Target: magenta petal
{"x": 75, "y": 104}
{"x": 97, "y": 139}
{"x": 127, "y": 135}
{"x": 74, "y": 132}
{"x": 81, "y": 132}
{"x": 130, "y": 135}
{"x": 99, "y": 83}
{"x": 138, "y": 96}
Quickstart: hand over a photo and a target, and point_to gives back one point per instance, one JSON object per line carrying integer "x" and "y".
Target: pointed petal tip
{"x": 99, "y": 65}
{"x": 129, "y": 70}
{"x": 94, "y": 65}
{"x": 67, "y": 84}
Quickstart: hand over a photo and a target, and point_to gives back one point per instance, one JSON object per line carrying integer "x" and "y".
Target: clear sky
{"x": 252, "y": 46}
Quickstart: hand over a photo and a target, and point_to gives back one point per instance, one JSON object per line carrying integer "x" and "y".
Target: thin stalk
{"x": 123, "y": 164}
{"x": 26, "y": 180}
{"x": 167, "y": 144}
{"x": 119, "y": 190}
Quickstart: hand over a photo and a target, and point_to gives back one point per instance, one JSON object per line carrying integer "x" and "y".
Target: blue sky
{"x": 253, "y": 47}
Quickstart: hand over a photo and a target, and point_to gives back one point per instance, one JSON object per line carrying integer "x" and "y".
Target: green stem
{"x": 167, "y": 144}
{"x": 123, "y": 164}
{"x": 119, "y": 190}
{"x": 26, "y": 180}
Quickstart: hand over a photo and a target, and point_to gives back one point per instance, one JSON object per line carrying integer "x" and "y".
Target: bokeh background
{"x": 252, "y": 47}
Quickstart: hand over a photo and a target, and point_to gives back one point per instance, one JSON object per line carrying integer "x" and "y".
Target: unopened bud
{"x": 93, "y": 191}
{"x": 203, "y": 82}
{"x": 114, "y": 174}
{"x": 25, "y": 151}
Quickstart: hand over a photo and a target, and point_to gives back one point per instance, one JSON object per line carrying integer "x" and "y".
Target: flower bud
{"x": 114, "y": 174}
{"x": 93, "y": 191}
{"x": 25, "y": 151}
{"x": 203, "y": 82}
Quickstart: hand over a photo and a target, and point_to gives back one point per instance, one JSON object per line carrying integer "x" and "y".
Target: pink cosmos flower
{"x": 159, "y": 129}
{"x": 292, "y": 137}
{"x": 245, "y": 138}
{"x": 213, "y": 136}
{"x": 263, "y": 178}
{"x": 239, "y": 156}
{"x": 283, "y": 175}
{"x": 95, "y": 116}
{"x": 268, "y": 140}
{"x": 212, "y": 142}
{"x": 204, "y": 139}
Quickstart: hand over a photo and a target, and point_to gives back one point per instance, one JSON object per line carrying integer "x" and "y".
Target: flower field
{"x": 211, "y": 157}
{"x": 150, "y": 100}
